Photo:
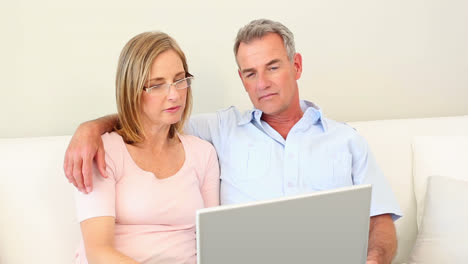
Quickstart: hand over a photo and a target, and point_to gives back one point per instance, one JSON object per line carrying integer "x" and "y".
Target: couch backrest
{"x": 391, "y": 141}
{"x": 37, "y": 213}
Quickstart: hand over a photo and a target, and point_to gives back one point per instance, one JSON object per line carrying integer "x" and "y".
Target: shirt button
{"x": 290, "y": 185}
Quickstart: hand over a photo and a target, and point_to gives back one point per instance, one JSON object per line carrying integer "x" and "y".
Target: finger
{"x": 66, "y": 168}
{"x": 101, "y": 162}
{"x": 69, "y": 172}
{"x": 77, "y": 165}
{"x": 72, "y": 180}
{"x": 88, "y": 173}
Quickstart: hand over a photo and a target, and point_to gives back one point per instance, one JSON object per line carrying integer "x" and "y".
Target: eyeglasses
{"x": 164, "y": 88}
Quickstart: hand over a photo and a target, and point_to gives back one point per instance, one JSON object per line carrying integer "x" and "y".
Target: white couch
{"x": 37, "y": 215}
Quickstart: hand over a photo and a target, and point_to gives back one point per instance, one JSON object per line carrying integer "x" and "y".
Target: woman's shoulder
{"x": 111, "y": 138}
{"x": 193, "y": 140}
{"x": 196, "y": 145}
{"x": 200, "y": 154}
{"x": 112, "y": 142}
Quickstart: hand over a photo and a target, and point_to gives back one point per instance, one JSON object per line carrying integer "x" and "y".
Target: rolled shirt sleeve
{"x": 366, "y": 171}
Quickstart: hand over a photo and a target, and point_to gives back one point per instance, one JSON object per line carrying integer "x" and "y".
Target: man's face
{"x": 269, "y": 77}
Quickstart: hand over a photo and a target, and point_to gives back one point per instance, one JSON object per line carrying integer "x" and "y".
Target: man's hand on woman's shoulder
{"x": 84, "y": 147}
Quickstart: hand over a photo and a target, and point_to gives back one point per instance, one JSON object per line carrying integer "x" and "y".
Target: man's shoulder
{"x": 233, "y": 116}
{"x": 314, "y": 112}
{"x": 231, "y": 111}
{"x": 334, "y": 125}
{"x": 343, "y": 132}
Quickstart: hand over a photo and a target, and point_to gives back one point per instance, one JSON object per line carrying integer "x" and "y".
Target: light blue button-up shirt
{"x": 257, "y": 163}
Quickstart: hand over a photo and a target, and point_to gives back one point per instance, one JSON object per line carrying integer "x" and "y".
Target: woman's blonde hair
{"x": 133, "y": 71}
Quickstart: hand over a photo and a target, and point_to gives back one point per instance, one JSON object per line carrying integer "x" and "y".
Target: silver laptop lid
{"x": 323, "y": 227}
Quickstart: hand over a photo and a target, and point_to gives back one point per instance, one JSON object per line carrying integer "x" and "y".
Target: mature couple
{"x": 157, "y": 174}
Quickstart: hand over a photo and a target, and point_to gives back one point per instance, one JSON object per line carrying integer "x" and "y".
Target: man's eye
{"x": 274, "y": 68}
{"x": 250, "y": 75}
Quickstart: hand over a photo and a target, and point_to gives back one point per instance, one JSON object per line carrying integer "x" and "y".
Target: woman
{"x": 144, "y": 212}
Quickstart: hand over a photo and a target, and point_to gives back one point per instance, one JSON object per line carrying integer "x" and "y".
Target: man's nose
{"x": 262, "y": 81}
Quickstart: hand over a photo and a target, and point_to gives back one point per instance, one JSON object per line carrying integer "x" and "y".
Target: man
{"x": 283, "y": 146}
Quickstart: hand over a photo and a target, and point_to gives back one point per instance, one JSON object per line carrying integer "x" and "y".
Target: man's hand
{"x": 85, "y": 146}
{"x": 382, "y": 240}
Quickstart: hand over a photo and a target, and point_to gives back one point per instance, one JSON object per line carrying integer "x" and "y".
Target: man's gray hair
{"x": 257, "y": 29}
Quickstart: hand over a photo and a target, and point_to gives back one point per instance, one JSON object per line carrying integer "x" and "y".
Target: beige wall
{"x": 363, "y": 59}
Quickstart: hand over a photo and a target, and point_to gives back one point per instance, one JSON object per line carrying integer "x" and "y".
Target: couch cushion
{"x": 437, "y": 155}
{"x": 444, "y": 228}
{"x": 37, "y": 222}
{"x": 390, "y": 141}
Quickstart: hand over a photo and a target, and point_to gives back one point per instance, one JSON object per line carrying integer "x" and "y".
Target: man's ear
{"x": 240, "y": 75}
{"x": 298, "y": 65}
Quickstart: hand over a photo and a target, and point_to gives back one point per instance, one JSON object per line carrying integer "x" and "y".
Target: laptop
{"x": 323, "y": 227}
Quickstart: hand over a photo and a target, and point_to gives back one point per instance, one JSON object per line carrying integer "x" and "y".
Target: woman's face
{"x": 164, "y": 106}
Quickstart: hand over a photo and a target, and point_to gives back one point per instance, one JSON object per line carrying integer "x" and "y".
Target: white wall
{"x": 363, "y": 59}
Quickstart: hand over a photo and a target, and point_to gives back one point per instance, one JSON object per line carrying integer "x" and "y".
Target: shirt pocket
{"x": 246, "y": 162}
{"x": 258, "y": 163}
{"x": 342, "y": 167}
{"x": 326, "y": 170}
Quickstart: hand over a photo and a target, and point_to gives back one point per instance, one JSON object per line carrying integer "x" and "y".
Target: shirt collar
{"x": 248, "y": 116}
{"x": 311, "y": 112}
